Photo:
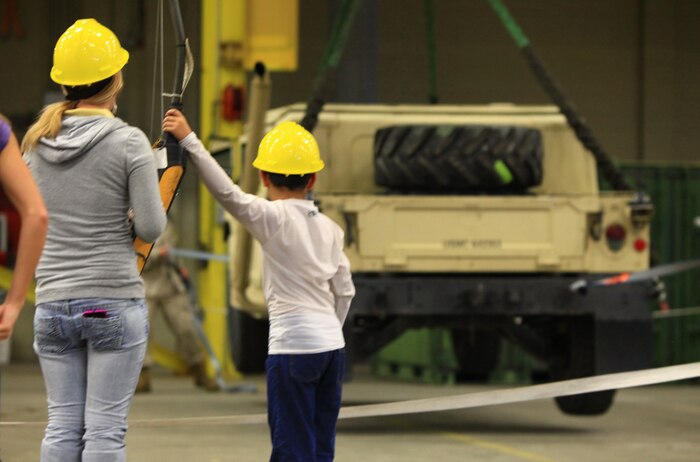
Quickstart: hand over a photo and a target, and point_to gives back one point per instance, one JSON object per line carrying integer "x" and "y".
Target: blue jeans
{"x": 91, "y": 363}
{"x": 303, "y": 401}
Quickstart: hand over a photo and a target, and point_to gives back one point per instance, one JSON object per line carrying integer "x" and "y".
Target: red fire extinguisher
{"x": 232, "y": 103}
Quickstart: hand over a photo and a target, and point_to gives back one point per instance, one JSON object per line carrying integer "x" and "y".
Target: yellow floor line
{"x": 498, "y": 448}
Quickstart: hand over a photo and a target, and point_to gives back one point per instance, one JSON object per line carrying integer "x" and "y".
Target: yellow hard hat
{"x": 86, "y": 53}
{"x": 289, "y": 149}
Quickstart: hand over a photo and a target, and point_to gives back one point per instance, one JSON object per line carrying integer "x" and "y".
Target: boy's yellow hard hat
{"x": 289, "y": 149}
{"x": 86, "y": 53}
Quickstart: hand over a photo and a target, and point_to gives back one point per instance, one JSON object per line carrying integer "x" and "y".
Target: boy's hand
{"x": 175, "y": 123}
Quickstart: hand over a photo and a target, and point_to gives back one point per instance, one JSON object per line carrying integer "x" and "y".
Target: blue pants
{"x": 90, "y": 367}
{"x": 303, "y": 401}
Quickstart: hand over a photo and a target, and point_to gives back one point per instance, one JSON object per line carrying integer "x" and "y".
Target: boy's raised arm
{"x": 258, "y": 215}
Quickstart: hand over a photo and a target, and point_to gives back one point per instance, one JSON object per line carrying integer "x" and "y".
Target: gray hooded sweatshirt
{"x": 90, "y": 175}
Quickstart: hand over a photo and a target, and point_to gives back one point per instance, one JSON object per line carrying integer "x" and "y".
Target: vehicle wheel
{"x": 577, "y": 344}
{"x": 452, "y": 158}
{"x": 248, "y": 338}
{"x": 477, "y": 352}
{"x": 596, "y": 403}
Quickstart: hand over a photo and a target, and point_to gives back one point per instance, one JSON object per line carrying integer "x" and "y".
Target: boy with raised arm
{"x": 307, "y": 284}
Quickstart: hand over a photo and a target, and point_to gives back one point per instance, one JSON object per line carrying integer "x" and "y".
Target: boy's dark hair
{"x": 291, "y": 182}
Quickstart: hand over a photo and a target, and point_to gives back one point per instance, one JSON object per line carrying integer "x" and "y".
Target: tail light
{"x": 640, "y": 245}
{"x": 615, "y": 235}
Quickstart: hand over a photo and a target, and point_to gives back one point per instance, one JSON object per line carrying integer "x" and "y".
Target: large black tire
{"x": 248, "y": 338}
{"x": 478, "y": 353}
{"x": 596, "y": 403}
{"x": 578, "y": 337}
{"x": 453, "y": 159}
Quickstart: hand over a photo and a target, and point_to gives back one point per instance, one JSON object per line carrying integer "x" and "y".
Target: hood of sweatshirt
{"x": 77, "y": 136}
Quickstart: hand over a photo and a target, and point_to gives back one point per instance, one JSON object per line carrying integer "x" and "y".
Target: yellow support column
{"x": 222, "y": 32}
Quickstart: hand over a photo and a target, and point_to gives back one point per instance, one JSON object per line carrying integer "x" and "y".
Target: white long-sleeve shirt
{"x": 306, "y": 276}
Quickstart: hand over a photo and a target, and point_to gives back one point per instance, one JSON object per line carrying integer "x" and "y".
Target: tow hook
{"x": 659, "y": 293}
{"x": 641, "y": 210}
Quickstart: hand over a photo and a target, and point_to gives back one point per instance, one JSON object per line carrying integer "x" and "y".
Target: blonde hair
{"x": 50, "y": 119}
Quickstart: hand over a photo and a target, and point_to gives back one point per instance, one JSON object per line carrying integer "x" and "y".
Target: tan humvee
{"x": 560, "y": 227}
{"x": 498, "y": 263}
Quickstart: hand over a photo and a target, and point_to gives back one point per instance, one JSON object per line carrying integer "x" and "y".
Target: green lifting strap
{"x": 515, "y": 31}
{"x": 606, "y": 167}
{"x": 430, "y": 41}
{"x": 331, "y": 58}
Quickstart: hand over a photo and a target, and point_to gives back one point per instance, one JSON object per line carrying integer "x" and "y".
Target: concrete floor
{"x": 646, "y": 424}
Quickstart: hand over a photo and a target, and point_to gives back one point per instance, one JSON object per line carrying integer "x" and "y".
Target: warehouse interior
{"x": 628, "y": 69}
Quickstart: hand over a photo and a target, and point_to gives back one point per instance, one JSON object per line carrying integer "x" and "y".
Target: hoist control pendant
{"x": 171, "y": 175}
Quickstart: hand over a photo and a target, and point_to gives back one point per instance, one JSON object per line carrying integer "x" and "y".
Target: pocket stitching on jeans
{"x": 49, "y": 326}
{"x": 49, "y": 329}
{"x": 104, "y": 333}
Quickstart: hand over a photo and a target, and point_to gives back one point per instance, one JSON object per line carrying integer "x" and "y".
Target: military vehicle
{"x": 478, "y": 219}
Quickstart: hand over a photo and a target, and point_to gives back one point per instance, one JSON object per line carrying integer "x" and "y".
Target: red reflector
{"x": 640, "y": 245}
{"x": 615, "y": 232}
{"x": 615, "y": 236}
